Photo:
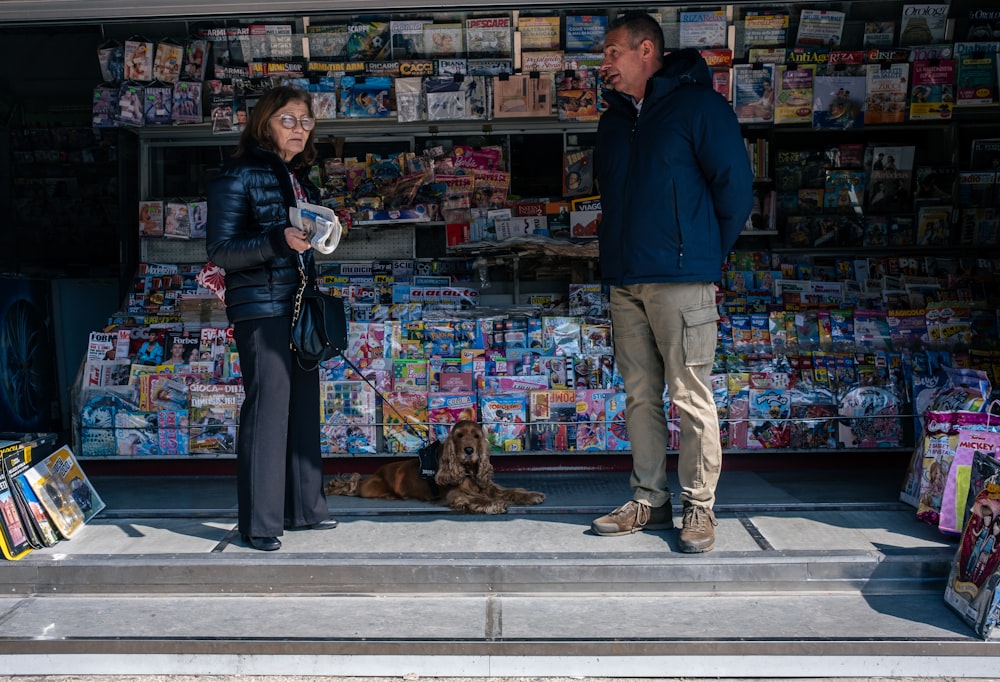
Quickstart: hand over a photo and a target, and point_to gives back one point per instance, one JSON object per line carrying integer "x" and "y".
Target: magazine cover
{"x": 151, "y": 218}
{"x": 764, "y": 28}
{"x": 880, "y": 33}
{"x": 576, "y": 95}
{"x": 111, "y": 57}
{"x": 585, "y": 32}
{"x": 368, "y": 41}
{"x": 130, "y": 104}
{"x": 985, "y": 154}
{"x": 839, "y": 101}
{"x": 15, "y": 541}
{"x": 167, "y": 61}
{"x": 890, "y": 179}
{"x": 885, "y": 93}
{"x": 539, "y": 33}
{"x": 934, "y": 185}
{"x": 933, "y": 226}
{"x": 407, "y": 37}
{"x": 578, "y": 172}
{"x": 522, "y": 95}
{"x": 488, "y": 36}
{"x": 158, "y": 104}
{"x": 932, "y": 95}
{"x": 104, "y": 113}
{"x": 974, "y": 577}
{"x": 701, "y": 30}
{"x": 794, "y": 93}
{"x": 186, "y": 102}
{"x": 444, "y": 40}
{"x": 138, "y": 59}
{"x": 213, "y": 417}
{"x": 753, "y": 92}
{"x": 923, "y": 24}
{"x": 820, "y": 28}
{"x": 327, "y": 41}
{"x": 614, "y": 415}
{"x": 976, "y": 73}
{"x": 195, "y": 64}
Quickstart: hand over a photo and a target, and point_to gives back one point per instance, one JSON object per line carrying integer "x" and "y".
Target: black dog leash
{"x": 429, "y": 453}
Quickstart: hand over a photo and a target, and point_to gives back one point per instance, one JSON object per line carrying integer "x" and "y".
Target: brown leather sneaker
{"x": 697, "y": 529}
{"x": 632, "y": 517}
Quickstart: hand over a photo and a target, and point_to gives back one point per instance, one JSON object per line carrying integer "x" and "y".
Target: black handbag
{"x": 319, "y": 324}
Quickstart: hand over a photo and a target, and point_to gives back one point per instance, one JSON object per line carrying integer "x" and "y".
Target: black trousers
{"x": 279, "y": 468}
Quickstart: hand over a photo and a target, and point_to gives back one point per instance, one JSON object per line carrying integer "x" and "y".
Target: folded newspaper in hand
{"x": 320, "y": 223}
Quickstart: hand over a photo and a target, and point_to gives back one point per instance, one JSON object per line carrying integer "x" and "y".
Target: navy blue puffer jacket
{"x": 247, "y": 216}
{"x": 675, "y": 181}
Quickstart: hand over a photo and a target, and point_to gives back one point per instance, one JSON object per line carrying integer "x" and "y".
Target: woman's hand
{"x": 297, "y": 239}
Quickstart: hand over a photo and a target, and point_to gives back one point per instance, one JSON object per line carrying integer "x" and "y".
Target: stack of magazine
{"x": 44, "y": 495}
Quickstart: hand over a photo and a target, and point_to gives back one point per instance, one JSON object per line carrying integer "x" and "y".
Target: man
{"x": 676, "y": 189}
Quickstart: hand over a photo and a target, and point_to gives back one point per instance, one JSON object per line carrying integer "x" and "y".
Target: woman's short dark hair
{"x": 258, "y": 132}
{"x": 640, "y": 26}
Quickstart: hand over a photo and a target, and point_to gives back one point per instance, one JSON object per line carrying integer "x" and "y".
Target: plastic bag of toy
{"x": 975, "y": 571}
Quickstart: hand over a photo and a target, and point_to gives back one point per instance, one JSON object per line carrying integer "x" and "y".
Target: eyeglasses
{"x": 289, "y": 121}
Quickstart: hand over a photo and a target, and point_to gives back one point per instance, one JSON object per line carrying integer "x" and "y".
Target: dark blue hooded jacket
{"x": 247, "y": 216}
{"x": 675, "y": 180}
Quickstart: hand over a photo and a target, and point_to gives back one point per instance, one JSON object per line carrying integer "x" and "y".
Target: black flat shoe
{"x": 325, "y": 524}
{"x": 263, "y": 544}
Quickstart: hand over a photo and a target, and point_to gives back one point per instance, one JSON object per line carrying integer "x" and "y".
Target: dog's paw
{"x": 535, "y": 498}
{"x": 497, "y": 507}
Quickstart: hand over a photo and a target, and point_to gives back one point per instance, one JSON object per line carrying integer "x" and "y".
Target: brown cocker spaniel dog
{"x": 464, "y": 479}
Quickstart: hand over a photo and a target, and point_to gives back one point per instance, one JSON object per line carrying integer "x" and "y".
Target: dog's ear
{"x": 484, "y": 473}
{"x": 449, "y": 471}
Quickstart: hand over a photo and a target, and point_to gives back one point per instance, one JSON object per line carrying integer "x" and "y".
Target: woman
{"x": 279, "y": 465}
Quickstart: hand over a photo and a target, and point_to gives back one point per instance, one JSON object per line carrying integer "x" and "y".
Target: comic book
{"x": 445, "y": 409}
{"x": 591, "y": 418}
{"x": 348, "y": 414}
{"x": 971, "y": 589}
{"x": 404, "y": 421}
{"x": 504, "y": 417}
{"x": 552, "y": 416}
